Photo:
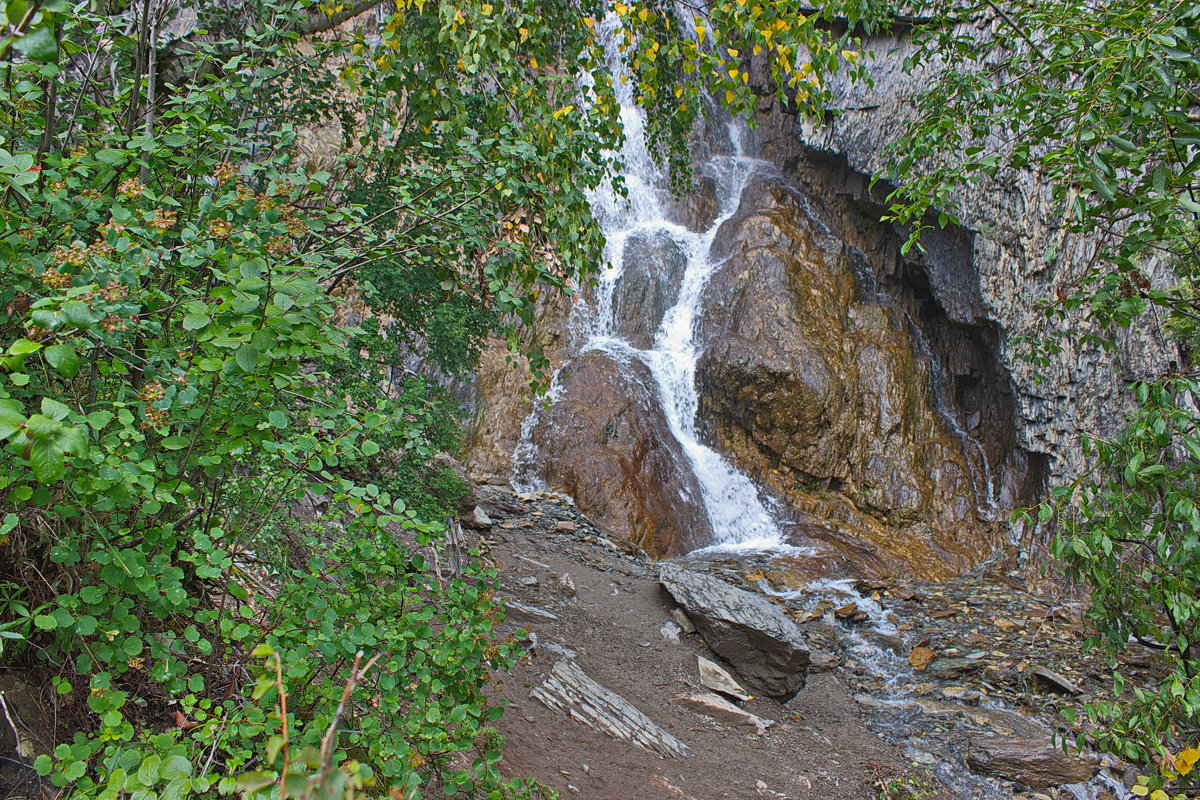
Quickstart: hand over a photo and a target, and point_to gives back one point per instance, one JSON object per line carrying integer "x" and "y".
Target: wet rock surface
{"x": 1032, "y": 763}
{"x": 604, "y": 440}
{"x": 648, "y": 286}
{"x": 821, "y": 394}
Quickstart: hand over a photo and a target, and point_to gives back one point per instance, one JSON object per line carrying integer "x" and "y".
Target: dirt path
{"x": 610, "y": 624}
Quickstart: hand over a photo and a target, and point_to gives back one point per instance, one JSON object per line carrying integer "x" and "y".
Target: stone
{"x": 1053, "y": 681}
{"x": 820, "y": 661}
{"x": 528, "y": 580}
{"x": 1031, "y": 762}
{"x": 479, "y": 518}
{"x": 565, "y": 525}
{"x": 721, "y": 709}
{"x": 921, "y": 657}
{"x": 680, "y": 617}
{"x": 751, "y": 633}
{"x": 715, "y": 677}
{"x": 649, "y": 285}
{"x": 514, "y": 608}
{"x": 570, "y": 690}
{"x": 815, "y": 384}
{"x": 566, "y": 584}
{"x": 669, "y": 631}
{"x": 952, "y": 667}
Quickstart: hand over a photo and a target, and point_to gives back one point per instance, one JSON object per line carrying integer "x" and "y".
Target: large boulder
{"x": 766, "y": 648}
{"x": 605, "y": 442}
{"x": 819, "y": 389}
{"x": 1032, "y": 762}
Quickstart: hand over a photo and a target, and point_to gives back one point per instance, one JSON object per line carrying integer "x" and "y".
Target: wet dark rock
{"x": 605, "y": 440}
{"x": 648, "y": 286}
{"x": 1031, "y": 762}
{"x": 821, "y": 394}
{"x": 766, "y": 648}
{"x": 952, "y": 667}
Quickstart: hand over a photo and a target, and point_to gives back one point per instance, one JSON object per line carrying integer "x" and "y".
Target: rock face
{"x": 605, "y": 442}
{"x": 1011, "y": 226}
{"x": 648, "y": 286}
{"x": 765, "y": 647}
{"x": 1031, "y": 762}
{"x": 818, "y": 387}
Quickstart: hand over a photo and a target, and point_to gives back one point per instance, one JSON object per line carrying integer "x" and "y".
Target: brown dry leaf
{"x": 920, "y": 658}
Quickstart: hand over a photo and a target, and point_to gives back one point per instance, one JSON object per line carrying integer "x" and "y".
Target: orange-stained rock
{"x": 818, "y": 390}
{"x": 605, "y": 442}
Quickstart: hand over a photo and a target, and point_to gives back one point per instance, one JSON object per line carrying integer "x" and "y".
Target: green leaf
{"x": 194, "y": 322}
{"x": 12, "y": 418}
{"x": 46, "y": 460}
{"x": 175, "y": 442}
{"x": 54, "y": 409}
{"x": 41, "y": 44}
{"x": 369, "y": 448}
{"x": 63, "y": 359}
{"x": 247, "y": 357}
{"x": 23, "y": 347}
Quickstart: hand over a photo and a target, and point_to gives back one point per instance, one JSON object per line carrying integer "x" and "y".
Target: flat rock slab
{"x": 1032, "y": 762}
{"x": 722, "y": 710}
{"x": 568, "y": 689}
{"x": 750, "y": 632}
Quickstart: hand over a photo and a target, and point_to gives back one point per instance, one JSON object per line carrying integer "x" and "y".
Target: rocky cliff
{"x": 875, "y": 399}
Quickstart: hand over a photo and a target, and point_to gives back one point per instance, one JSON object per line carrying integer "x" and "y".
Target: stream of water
{"x": 737, "y": 514}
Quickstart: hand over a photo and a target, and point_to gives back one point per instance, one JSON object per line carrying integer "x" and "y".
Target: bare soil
{"x": 819, "y": 746}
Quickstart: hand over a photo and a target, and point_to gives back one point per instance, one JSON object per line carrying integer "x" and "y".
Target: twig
{"x": 283, "y": 722}
{"x": 330, "y": 736}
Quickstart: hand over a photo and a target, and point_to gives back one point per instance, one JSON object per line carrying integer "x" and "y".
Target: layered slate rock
{"x": 606, "y": 443}
{"x": 569, "y": 689}
{"x": 765, "y": 648}
{"x": 1031, "y": 762}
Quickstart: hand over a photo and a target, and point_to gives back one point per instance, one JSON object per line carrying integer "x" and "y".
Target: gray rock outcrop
{"x": 765, "y": 648}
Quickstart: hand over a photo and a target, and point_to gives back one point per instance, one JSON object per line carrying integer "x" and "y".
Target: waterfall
{"x": 737, "y": 515}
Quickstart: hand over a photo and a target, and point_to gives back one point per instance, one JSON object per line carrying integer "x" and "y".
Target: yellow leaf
{"x": 757, "y": 49}
{"x": 486, "y": 8}
{"x": 733, "y": 73}
{"x": 700, "y": 31}
{"x": 621, "y": 9}
{"x": 591, "y": 23}
{"x": 533, "y": 62}
{"x": 644, "y": 15}
{"x": 729, "y": 95}
{"x": 563, "y": 110}
{"x": 678, "y": 92}
{"x": 524, "y": 33}
{"x": 1159, "y": 794}
{"x": 732, "y": 52}
{"x": 1190, "y": 755}
{"x": 1140, "y": 790}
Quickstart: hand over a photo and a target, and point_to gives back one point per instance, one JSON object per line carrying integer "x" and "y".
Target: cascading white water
{"x": 736, "y": 513}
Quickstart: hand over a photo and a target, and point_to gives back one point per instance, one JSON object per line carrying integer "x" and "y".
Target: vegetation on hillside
{"x": 225, "y": 226}
{"x": 224, "y": 229}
